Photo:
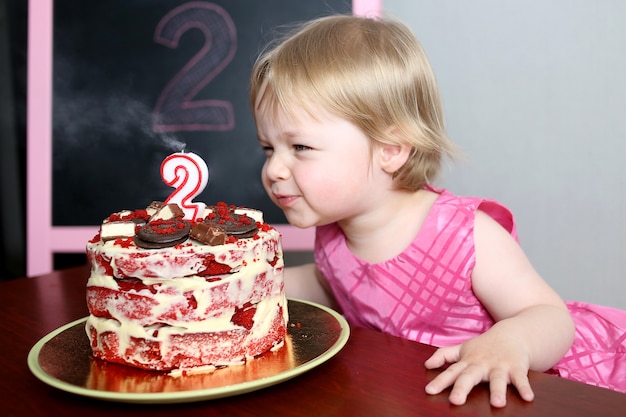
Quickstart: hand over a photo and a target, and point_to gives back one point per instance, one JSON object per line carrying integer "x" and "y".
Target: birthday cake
{"x": 166, "y": 293}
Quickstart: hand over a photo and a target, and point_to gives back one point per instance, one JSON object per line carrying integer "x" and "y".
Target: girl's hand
{"x": 533, "y": 328}
{"x": 482, "y": 359}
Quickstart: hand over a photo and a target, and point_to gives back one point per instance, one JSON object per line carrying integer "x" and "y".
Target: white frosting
{"x": 176, "y": 297}
{"x": 171, "y": 303}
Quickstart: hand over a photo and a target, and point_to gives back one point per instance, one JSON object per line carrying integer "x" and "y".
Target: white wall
{"x": 535, "y": 95}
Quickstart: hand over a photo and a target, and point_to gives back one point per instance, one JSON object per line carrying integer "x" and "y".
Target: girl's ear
{"x": 393, "y": 156}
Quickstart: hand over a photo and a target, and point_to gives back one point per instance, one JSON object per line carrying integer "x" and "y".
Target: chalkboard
{"x": 136, "y": 80}
{"x": 115, "y": 87}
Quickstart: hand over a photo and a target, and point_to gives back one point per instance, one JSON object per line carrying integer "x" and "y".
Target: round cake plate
{"x": 63, "y": 359}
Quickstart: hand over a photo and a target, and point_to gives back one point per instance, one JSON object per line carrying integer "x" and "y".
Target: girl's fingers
{"x": 498, "y": 383}
{"x": 463, "y": 377}
{"x": 465, "y": 382}
{"x": 520, "y": 381}
{"x": 444, "y": 380}
{"x": 442, "y": 356}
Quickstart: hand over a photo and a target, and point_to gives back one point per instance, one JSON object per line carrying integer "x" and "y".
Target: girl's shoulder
{"x": 451, "y": 204}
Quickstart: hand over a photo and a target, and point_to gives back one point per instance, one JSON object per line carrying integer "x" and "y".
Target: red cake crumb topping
{"x": 273, "y": 261}
{"x": 191, "y": 301}
{"x": 244, "y": 316}
{"x": 212, "y": 267}
{"x": 139, "y": 214}
{"x": 135, "y": 284}
{"x": 244, "y": 220}
{"x": 166, "y": 227}
{"x": 104, "y": 263}
{"x": 124, "y": 242}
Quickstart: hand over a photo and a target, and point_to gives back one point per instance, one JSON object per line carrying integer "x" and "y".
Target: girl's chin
{"x": 300, "y": 224}
{"x": 299, "y": 221}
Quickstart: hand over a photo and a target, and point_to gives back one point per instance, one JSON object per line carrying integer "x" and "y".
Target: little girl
{"x": 350, "y": 119}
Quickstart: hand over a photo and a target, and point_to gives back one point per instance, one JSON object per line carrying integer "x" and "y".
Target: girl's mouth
{"x": 285, "y": 200}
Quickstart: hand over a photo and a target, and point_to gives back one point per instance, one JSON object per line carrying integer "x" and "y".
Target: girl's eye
{"x": 300, "y": 148}
{"x": 267, "y": 150}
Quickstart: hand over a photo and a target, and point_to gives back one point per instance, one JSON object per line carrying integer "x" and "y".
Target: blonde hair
{"x": 372, "y": 72}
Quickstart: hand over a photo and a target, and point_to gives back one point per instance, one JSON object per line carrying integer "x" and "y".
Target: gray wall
{"x": 535, "y": 95}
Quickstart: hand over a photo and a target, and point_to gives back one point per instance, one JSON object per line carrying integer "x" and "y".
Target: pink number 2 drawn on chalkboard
{"x": 175, "y": 109}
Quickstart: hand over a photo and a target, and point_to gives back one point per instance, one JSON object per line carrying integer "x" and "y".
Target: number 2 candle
{"x": 188, "y": 174}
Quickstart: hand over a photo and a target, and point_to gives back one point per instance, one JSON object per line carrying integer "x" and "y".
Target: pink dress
{"x": 425, "y": 293}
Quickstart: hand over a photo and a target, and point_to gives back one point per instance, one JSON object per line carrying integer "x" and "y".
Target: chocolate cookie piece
{"x": 113, "y": 230}
{"x": 154, "y": 207}
{"x": 234, "y": 224}
{"x": 122, "y": 224}
{"x": 208, "y": 234}
{"x": 162, "y": 233}
{"x": 167, "y": 212}
{"x": 144, "y": 244}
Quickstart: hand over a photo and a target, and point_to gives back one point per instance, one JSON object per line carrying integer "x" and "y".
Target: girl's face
{"x": 318, "y": 171}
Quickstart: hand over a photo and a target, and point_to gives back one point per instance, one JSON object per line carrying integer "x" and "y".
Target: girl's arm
{"x": 306, "y": 282}
{"x": 533, "y": 327}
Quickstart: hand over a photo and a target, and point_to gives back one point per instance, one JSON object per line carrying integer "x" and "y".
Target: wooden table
{"x": 374, "y": 375}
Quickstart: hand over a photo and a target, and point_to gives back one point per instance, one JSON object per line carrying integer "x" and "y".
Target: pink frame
{"x": 43, "y": 239}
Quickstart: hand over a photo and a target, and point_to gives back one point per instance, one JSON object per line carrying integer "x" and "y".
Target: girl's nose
{"x": 276, "y": 169}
